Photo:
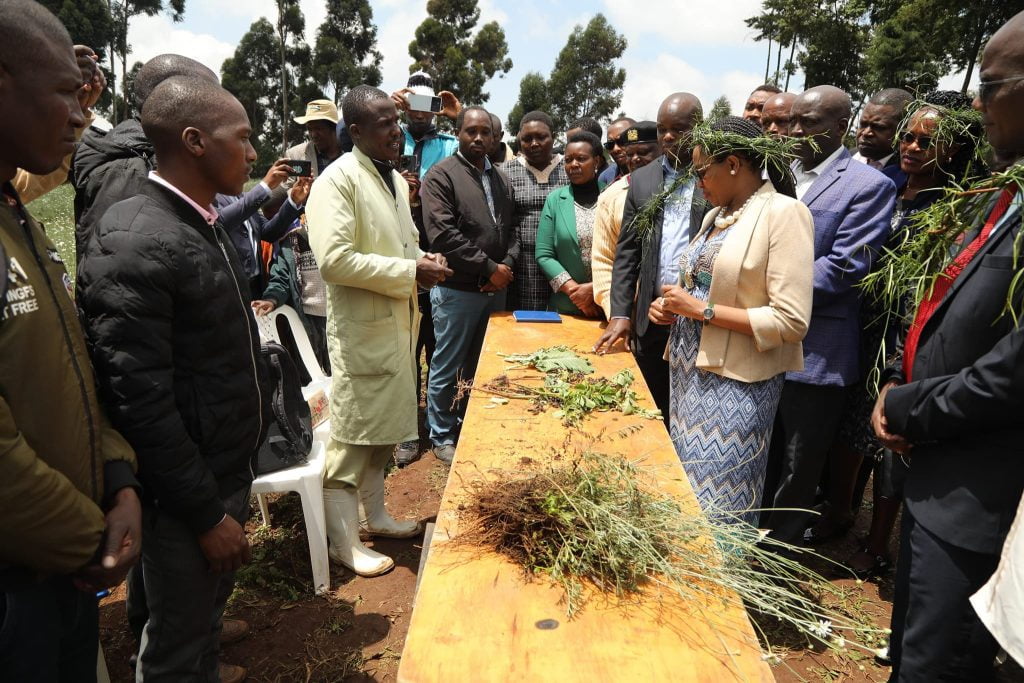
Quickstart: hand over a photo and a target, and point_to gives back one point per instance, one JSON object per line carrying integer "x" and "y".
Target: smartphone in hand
{"x": 302, "y": 168}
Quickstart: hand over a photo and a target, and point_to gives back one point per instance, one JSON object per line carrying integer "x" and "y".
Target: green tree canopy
{"x": 447, "y": 49}
{"x": 346, "y": 48}
{"x": 585, "y": 80}
{"x": 533, "y": 95}
{"x": 121, "y": 12}
{"x": 719, "y": 110}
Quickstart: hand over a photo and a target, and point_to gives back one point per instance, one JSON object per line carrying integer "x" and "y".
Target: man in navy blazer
{"x": 852, "y": 205}
{"x": 959, "y": 420}
{"x": 247, "y": 226}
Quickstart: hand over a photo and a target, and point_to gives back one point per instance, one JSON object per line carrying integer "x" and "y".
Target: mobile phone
{"x": 423, "y": 102}
{"x": 300, "y": 167}
{"x": 408, "y": 162}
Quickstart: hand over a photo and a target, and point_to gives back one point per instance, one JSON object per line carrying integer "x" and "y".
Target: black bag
{"x": 290, "y": 434}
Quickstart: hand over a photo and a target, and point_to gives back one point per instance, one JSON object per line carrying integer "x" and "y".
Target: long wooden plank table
{"x": 478, "y": 618}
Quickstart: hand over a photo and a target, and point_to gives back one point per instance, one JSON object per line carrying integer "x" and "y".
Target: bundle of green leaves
{"x": 551, "y": 359}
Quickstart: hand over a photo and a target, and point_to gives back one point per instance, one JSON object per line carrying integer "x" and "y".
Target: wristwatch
{"x": 709, "y": 312}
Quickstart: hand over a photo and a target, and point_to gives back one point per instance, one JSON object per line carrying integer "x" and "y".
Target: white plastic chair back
{"x": 268, "y": 332}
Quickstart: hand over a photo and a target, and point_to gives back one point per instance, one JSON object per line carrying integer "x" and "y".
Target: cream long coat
{"x": 366, "y": 246}
{"x": 765, "y": 265}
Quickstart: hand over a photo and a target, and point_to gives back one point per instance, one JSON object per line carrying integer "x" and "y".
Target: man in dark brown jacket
{"x": 69, "y": 514}
{"x": 468, "y": 212}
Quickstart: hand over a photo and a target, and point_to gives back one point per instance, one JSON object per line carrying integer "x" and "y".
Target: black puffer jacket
{"x": 175, "y": 347}
{"x": 107, "y": 168}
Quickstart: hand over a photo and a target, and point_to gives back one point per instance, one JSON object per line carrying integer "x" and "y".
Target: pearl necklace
{"x": 723, "y": 222}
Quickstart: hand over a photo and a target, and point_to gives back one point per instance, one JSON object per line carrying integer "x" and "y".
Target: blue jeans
{"x": 460, "y": 320}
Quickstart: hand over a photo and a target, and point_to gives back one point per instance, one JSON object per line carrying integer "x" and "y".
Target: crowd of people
{"x": 728, "y": 257}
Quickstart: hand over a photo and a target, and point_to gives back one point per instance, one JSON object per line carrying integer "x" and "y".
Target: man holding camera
{"x": 422, "y": 147}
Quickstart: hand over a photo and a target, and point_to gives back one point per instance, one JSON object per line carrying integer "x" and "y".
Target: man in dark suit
{"x": 647, "y": 256}
{"x": 876, "y": 132}
{"x": 246, "y": 225}
{"x": 852, "y": 205}
{"x": 953, "y": 406}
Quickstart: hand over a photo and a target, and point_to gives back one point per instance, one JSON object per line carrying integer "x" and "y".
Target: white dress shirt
{"x": 804, "y": 179}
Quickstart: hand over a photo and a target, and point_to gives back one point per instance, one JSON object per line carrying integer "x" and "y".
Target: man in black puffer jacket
{"x": 175, "y": 347}
{"x": 111, "y": 166}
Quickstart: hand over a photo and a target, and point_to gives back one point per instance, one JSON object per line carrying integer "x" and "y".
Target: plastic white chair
{"x": 305, "y": 479}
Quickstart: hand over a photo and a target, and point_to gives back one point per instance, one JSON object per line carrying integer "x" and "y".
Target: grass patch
{"x": 55, "y": 210}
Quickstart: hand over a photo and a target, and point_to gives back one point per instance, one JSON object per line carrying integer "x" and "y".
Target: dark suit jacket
{"x": 236, "y": 211}
{"x": 635, "y": 271}
{"x": 964, "y": 411}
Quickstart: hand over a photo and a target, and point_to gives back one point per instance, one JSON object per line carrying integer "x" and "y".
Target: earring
{"x": 732, "y": 172}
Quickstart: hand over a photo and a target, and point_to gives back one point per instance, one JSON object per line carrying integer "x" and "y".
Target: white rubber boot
{"x": 373, "y": 516}
{"x": 341, "y": 508}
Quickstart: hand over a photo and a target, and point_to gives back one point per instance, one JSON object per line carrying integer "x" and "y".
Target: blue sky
{"x": 700, "y": 46}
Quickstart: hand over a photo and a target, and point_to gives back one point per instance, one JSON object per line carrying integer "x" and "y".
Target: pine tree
{"x": 533, "y": 95}
{"x": 346, "y": 48}
{"x": 719, "y": 110}
{"x": 457, "y": 59}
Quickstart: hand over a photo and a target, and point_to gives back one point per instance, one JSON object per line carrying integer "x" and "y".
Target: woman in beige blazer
{"x": 738, "y": 315}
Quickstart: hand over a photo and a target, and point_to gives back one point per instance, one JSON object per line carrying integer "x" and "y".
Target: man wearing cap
{"x": 427, "y": 146}
{"x": 617, "y": 151}
{"x": 639, "y": 145}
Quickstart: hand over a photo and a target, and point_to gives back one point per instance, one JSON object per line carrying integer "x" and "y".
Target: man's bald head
{"x": 1001, "y": 103}
{"x": 160, "y": 68}
{"x": 821, "y": 113}
{"x": 185, "y": 102}
{"x": 775, "y": 115}
{"x": 677, "y": 115}
{"x": 39, "y": 81}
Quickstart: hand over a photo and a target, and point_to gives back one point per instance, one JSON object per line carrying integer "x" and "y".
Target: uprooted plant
{"x": 594, "y": 521}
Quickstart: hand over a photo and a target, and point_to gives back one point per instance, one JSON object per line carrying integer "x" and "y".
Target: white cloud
{"x": 693, "y": 22}
{"x": 152, "y": 36}
{"x": 648, "y": 82}
{"x": 395, "y": 32}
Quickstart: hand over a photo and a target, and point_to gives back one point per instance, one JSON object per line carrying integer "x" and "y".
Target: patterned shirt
{"x": 532, "y": 291}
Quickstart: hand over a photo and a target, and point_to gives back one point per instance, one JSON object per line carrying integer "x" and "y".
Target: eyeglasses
{"x": 702, "y": 170}
{"x": 923, "y": 141}
{"x": 986, "y": 91}
{"x": 610, "y": 144}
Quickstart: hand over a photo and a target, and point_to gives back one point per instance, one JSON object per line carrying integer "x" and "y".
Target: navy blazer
{"x": 852, "y": 206}
{"x": 963, "y": 410}
{"x": 235, "y": 212}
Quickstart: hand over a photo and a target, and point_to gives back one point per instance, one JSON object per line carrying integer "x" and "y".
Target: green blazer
{"x": 558, "y": 246}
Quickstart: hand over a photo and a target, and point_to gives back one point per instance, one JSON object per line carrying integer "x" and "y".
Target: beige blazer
{"x": 611, "y": 203}
{"x": 366, "y": 245}
{"x": 765, "y": 265}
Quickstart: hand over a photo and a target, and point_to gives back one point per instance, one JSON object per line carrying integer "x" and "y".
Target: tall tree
{"x": 719, "y": 110}
{"x": 456, "y": 58}
{"x": 291, "y": 48}
{"x": 346, "y": 48}
{"x": 533, "y": 95}
{"x": 585, "y": 80}
{"x": 122, "y": 12}
{"x": 902, "y": 54}
{"x": 253, "y": 75}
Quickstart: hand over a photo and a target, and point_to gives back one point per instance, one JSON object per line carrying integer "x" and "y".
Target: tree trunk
{"x": 124, "y": 62}
{"x": 768, "y": 62}
{"x": 978, "y": 33}
{"x": 792, "y": 51}
{"x": 284, "y": 89}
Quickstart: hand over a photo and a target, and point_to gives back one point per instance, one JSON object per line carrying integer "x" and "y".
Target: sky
{"x": 698, "y": 46}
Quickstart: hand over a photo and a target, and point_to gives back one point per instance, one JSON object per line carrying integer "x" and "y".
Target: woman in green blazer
{"x": 566, "y": 230}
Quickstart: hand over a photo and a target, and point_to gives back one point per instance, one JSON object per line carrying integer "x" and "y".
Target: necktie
{"x": 946, "y": 279}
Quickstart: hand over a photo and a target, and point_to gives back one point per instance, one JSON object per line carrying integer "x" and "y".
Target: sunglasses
{"x": 702, "y": 170}
{"x": 923, "y": 141}
{"x": 986, "y": 89}
{"x": 610, "y": 144}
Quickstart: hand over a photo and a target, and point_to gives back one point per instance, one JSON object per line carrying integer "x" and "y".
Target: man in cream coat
{"x": 363, "y": 237}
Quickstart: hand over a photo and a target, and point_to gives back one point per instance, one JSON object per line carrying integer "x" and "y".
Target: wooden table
{"x": 476, "y": 615}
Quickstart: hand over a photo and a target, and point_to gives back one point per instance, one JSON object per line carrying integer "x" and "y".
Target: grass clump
{"x": 595, "y": 522}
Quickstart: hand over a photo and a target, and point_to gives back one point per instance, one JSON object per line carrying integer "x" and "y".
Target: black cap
{"x": 643, "y": 131}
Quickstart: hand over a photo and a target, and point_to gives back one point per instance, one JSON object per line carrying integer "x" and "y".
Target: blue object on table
{"x": 536, "y": 317}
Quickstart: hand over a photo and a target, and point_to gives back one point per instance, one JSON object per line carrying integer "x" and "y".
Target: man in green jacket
{"x": 69, "y": 513}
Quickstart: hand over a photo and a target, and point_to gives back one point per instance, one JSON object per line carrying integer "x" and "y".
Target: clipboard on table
{"x": 536, "y": 317}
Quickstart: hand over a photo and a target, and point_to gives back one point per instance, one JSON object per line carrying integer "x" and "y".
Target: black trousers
{"x": 49, "y": 632}
{"x": 426, "y": 340}
{"x": 805, "y": 427}
{"x": 649, "y": 351}
{"x": 936, "y": 635}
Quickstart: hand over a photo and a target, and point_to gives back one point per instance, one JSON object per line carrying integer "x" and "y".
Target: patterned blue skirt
{"x": 720, "y": 427}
